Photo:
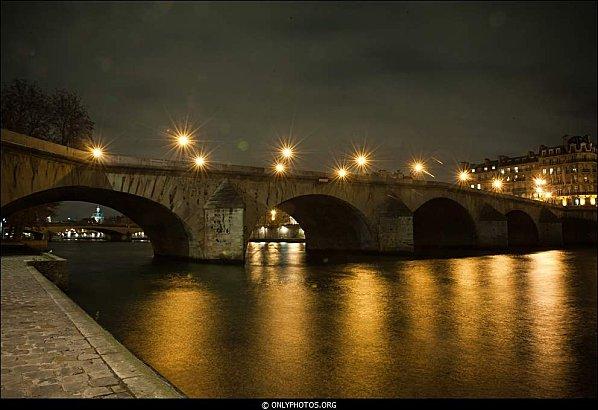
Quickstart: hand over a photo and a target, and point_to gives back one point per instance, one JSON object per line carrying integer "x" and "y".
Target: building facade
{"x": 563, "y": 174}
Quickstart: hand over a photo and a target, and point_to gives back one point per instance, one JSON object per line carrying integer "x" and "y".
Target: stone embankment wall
{"x": 54, "y": 268}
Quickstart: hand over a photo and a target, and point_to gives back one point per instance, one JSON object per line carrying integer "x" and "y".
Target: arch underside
{"x": 330, "y": 223}
{"x": 443, "y": 223}
{"x": 521, "y": 229}
{"x": 165, "y": 230}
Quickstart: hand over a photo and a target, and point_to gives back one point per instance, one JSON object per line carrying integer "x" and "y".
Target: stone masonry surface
{"x": 52, "y": 348}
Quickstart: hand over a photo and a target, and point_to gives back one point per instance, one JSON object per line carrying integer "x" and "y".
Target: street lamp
{"x": 287, "y": 152}
{"x": 96, "y": 153}
{"x": 200, "y": 161}
{"x": 463, "y": 176}
{"x": 361, "y": 158}
{"x": 341, "y": 173}
{"x": 418, "y": 167}
{"x": 279, "y": 168}
{"x": 183, "y": 140}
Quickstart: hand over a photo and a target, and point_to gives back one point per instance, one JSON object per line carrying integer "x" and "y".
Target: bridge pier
{"x": 550, "y": 229}
{"x": 395, "y": 234}
{"x": 224, "y": 216}
{"x": 395, "y": 227}
{"x": 492, "y": 234}
{"x": 550, "y": 233}
{"x": 492, "y": 229}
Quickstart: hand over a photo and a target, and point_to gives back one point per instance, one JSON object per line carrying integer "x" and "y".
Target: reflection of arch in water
{"x": 443, "y": 223}
{"x": 166, "y": 231}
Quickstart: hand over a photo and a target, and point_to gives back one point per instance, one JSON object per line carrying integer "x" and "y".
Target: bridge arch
{"x": 167, "y": 232}
{"x": 330, "y": 223}
{"x": 443, "y": 223}
{"x": 522, "y": 231}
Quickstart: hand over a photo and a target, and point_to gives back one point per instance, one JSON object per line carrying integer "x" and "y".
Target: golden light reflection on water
{"x": 365, "y": 347}
{"x": 504, "y": 325}
{"x": 420, "y": 307}
{"x": 285, "y": 334}
{"x": 179, "y": 322}
{"x": 551, "y": 318}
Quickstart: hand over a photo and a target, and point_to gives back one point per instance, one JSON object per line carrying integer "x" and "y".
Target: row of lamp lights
{"x": 287, "y": 152}
{"x": 497, "y": 184}
{"x": 361, "y": 158}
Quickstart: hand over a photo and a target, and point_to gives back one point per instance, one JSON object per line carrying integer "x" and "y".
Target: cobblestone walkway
{"x": 51, "y": 348}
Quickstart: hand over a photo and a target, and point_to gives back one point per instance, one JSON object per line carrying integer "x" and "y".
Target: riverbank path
{"x": 52, "y": 348}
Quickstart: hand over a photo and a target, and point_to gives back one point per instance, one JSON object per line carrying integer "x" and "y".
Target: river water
{"x": 517, "y": 325}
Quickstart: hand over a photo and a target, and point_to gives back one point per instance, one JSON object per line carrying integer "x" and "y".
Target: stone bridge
{"x": 210, "y": 215}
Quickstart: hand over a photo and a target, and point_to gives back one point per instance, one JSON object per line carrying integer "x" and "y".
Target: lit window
{"x": 493, "y": 167}
{"x": 516, "y": 169}
{"x": 502, "y": 171}
{"x": 485, "y": 168}
{"x": 544, "y": 170}
{"x": 479, "y": 186}
{"x": 551, "y": 171}
{"x": 473, "y": 170}
{"x": 582, "y": 201}
{"x": 593, "y": 200}
{"x": 472, "y": 186}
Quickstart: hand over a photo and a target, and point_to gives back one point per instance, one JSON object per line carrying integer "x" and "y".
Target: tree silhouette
{"x": 70, "y": 123}
{"x": 25, "y": 109}
{"x": 60, "y": 117}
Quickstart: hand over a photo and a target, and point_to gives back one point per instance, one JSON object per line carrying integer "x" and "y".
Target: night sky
{"x": 457, "y": 81}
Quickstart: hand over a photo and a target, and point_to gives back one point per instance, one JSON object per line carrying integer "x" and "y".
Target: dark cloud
{"x": 460, "y": 81}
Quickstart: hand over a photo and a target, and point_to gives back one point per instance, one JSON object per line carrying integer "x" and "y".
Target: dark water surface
{"x": 504, "y": 325}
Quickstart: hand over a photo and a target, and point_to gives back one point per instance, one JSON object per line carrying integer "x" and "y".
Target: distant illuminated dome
{"x": 98, "y": 215}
